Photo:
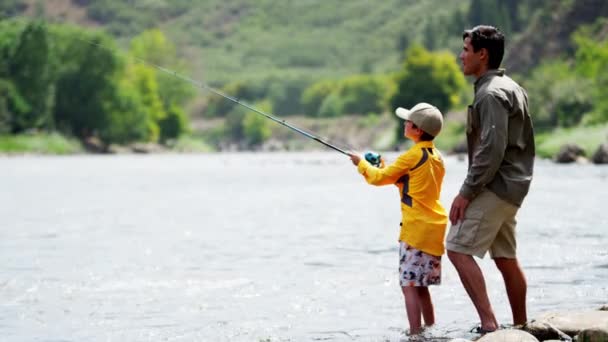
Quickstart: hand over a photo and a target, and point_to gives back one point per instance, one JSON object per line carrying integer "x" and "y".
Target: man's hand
{"x": 355, "y": 158}
{"x": 459, "y": 206}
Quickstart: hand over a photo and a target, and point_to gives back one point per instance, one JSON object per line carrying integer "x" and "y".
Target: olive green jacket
{"x": 500, "y": 139}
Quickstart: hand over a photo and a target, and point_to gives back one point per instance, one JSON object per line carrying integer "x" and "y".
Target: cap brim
{"x": 402, "y": 113}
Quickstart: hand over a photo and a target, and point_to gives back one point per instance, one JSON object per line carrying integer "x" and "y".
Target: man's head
{"x": 423, "y": 117}
{"x": 483, "y": 49}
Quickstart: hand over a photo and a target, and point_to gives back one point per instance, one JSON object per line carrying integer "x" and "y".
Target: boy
{"x": 418, "y": 173}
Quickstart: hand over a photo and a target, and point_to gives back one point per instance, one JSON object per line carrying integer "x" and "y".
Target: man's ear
{"x": 483, "y": 54}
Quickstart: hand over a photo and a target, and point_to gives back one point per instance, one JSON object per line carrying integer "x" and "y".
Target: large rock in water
{"x": 569, "y": 153}
{"x": 587, "y": 323}
{"x": 601, "y": 155}
{"x": 508, "y": 335}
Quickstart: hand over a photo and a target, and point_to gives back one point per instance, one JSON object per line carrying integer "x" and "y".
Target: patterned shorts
{"x": 417, "y": 268}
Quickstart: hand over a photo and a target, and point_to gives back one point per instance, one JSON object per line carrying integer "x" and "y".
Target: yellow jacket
{"x": 418, "y": 173}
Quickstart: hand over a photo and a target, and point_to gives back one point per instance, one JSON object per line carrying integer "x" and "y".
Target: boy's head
{"x": 426, "y": 121}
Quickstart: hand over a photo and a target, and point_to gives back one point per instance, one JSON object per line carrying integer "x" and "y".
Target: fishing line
{"x": 205, "y": 86}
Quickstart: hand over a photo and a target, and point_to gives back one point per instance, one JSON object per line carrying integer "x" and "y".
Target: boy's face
{"x": 411, "y": 131}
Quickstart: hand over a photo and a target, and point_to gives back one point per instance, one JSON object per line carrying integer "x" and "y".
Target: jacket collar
{"x": 487, "y": 76}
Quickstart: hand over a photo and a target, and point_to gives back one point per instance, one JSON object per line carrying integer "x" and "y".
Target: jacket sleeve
{"x": 389, "y": 174}
{"x": 487, "y": 157}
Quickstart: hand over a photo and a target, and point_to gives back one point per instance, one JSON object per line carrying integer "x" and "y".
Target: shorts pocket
{"x": 464, "y": 233}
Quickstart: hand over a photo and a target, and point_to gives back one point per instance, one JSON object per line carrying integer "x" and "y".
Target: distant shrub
{"x": 174, "y": 124}
{"x": 314, "y": 95}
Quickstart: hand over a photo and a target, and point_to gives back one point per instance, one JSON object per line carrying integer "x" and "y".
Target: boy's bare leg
{"x": 475, "y": 285}
{"x": 426, "y": 305}
{"x": 412, "y": 308}
{"x": 515, "y": 282}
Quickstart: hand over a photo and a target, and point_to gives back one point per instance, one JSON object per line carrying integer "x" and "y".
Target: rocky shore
{"x": 572, "y": 153}
{"x": 579, "y": 326}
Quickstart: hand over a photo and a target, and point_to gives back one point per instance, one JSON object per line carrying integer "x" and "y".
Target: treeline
{"x": 433, "y": 77}
{"x": 571, "y": 90}
{"x": 53, "y": 79}
{"x": 74, "y": 81}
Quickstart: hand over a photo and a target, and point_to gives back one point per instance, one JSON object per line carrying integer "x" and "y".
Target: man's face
{"x": 471, "y": 60}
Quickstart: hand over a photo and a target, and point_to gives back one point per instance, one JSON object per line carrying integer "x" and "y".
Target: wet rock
{"x": 557, "y": 325}
{"x": 570, "y": 153}
{"x": 508, "y": 335}
{"x": 593, "y": 335}
{"x": 604, "y": 308}
{"x": 601, "y": 154}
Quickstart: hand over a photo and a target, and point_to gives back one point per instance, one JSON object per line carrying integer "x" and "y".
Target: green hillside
{"x": 315, "y": 58}
{"x": 231, "y": 40}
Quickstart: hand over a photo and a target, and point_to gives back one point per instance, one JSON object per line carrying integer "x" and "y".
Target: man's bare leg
{"x": 475, "y": 285}
{"x": 515, "y": 282}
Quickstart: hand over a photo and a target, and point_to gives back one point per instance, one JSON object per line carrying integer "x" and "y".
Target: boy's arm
{"x": 386, "y": 175}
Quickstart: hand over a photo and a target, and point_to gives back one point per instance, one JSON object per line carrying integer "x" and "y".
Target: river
{"x": 258, "y": 247}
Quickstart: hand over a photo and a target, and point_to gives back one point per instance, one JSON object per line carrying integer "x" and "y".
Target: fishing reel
{"x": 373, "y": 158}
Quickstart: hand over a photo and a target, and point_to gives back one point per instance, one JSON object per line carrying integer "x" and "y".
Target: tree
{"x": 428, "y": 77}
{"x": 29, "y": 71}
{"x": 86, "y": 83}
{"x": 153, "y": 47}
{"x": 592, "y": 63}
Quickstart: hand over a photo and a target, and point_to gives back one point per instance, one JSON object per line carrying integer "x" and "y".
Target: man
{"x": 500, "y": 142}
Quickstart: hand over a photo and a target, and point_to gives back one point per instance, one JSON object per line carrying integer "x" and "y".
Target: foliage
{"x": 84, "y": 90}
{"x": 432, "y": 77}
{"x": 174, "y": 125}
{"x": 357, "y": 94}
{"x": 12, "y": 105}
{"x": 39, "y": 143}
{"x": 29, "y": 71}
{"x": 332, "y": 106}
{"x": 560, "y": 97}
{"x": 256, "y": 128}
{"x": 452, "y": 134}
{"x": 592, "y": 64}
{"x": 9, "y": 8}
{"x": 154, "y": 47}
{"x": 363, "y": 94}
{"x": 313, "y": 96}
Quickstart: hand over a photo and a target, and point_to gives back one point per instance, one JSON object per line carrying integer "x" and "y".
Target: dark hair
{"x": 489, "y": 38}
{"x": 425, "y": 136}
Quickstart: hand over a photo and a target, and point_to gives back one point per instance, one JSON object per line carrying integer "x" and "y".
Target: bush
{"x": 428, "y": 77}
{"x": 314, "y": 95}
{"x": 363, "y": 94}
{"x": 174, "y": 124}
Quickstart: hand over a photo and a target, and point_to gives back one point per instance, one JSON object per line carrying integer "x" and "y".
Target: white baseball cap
{"x": 425, "y": 116}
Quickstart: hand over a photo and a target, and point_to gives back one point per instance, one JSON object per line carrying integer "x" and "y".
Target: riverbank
{"x": 354, "y": 132}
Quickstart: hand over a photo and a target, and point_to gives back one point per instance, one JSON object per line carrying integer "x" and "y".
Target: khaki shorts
{"x": 489, "y": 224}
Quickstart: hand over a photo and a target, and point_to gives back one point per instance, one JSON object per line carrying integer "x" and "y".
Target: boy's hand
{"x": 355, "y": 159}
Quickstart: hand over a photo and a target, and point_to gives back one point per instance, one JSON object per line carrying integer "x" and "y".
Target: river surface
{"x": 258, "y": 247}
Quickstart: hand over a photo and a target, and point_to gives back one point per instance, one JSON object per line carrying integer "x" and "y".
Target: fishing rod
{"x": 372, "y": 157}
